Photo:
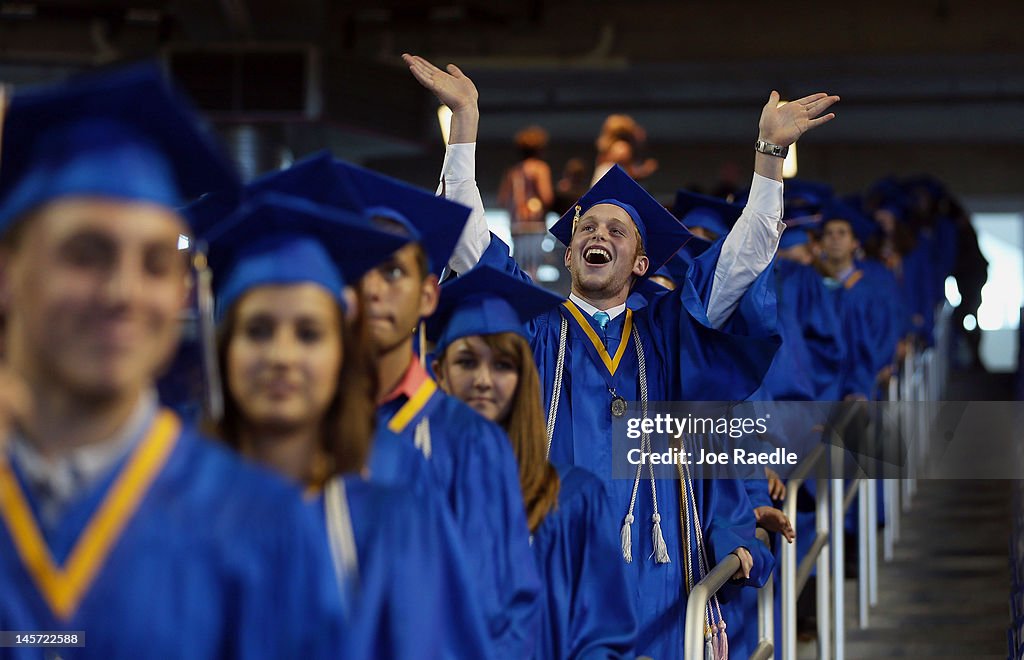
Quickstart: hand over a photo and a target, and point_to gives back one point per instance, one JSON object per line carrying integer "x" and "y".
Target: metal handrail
{"x": 794, "y": 578}
{"x": 701, "y": 594}
{"x": 765, "y": 609}
{"x": 697, "y": 603}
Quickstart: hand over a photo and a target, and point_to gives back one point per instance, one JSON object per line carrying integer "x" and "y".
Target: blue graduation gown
{"x": 804, "y": 303}
{"x": 892, "y": 323}
{"x": 867, "y": 332}
{"x": 687, "y": 360}
{"x": 921, "y": 276}
{"x": 411, "y": 597}
{"x": 588, "y": 604}
{"x": 790, "y": 376}
{"x": 472, "y": 465}
{"x": 215, "y": 559}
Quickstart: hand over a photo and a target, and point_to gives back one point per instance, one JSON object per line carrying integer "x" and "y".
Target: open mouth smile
{"x": 597, "y": 256}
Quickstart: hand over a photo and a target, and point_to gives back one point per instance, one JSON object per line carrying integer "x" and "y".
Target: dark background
{"x": 927, "y": 85}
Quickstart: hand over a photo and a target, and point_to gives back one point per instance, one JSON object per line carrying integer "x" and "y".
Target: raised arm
{"x": 458, "y": 173}
{"x": 751, "y": 245}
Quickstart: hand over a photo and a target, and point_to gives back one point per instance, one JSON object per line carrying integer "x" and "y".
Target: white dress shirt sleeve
{"x": 748, "y": 249}
{"x": 458, "y": 184}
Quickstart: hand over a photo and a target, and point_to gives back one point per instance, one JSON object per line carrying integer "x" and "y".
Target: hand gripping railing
{"x": 701, "y": 594}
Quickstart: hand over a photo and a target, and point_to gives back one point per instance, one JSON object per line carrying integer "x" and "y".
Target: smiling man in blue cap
{"x": 710, "y": 339}
{"x": 116, "y": 519}
{"x": 468, "y": 459}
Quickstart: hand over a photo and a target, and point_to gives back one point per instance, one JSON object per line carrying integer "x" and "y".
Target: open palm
{"x": 783, "y": 125}
{"x": 452, "y": 87}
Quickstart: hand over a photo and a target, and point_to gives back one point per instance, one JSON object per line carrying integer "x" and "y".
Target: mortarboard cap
{"x": 801, "y": 215}
{"x": 661, "y": 233}
{"x": 862, "y": 226}
{"x": 794, "y": 236}
{"x": 124, "y": 134}
{"x": 797, "y": 192}
{"x": 433, "y": 222}
{"x": 281, "y": 239}
{"x": 486, "y": 301}
{"x": 711, "y": 213}
{"x": 927, "y": 183}
{"x": 313, "y": 178}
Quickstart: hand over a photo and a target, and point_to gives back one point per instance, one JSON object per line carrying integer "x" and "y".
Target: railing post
{"x": 787, "y": 573}
{"x": 907, "y": 410}
{"x": 862, "y": 553}
{"x": 872, "y": 506}
{"x": 892, "y": 453}
{"x": 824, "y": 581}
{"x": 766, "y": 642}
{"x": 838, "y": 552}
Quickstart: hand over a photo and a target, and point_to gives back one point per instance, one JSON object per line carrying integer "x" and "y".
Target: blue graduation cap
{"x": 935, "y": 188}
{"x": 661, "y": 233}
{"x": 862, "y": 226}
{"x": 433, "y": 222}
{"x": 801, "y": 215}
{"x": 312, "y": 178}
{"x": 486, "y": 301}
{"x": 794, "y": 236}
{"x": 281, "y": 239}
{"x": 125, "y": 135}
{"x": 798, "y": 192}
{"x": 711, "y": 213}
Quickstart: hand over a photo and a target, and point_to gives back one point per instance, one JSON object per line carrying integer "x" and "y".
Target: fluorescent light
{"x": 789, "y": 165}
{"x": 953, "y": 292}
{"x": 444, "y": 120}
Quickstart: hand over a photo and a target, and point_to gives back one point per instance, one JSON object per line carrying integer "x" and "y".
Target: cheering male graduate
{"x": 710, "y": 339}
{"x": 115, "y": 518}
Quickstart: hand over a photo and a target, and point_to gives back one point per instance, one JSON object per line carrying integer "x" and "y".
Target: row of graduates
{"x": 429, "y": 527}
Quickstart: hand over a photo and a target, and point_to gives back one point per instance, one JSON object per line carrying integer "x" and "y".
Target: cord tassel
{"x": 660, "y": 548}
{"x": 208, "y": 334}
{"x": 723, "y": 641}
{"x": 626, "y": 537}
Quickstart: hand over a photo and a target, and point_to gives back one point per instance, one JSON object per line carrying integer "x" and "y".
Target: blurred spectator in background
{"x": 573, "y": 184}
{"x": 620, "y": 140}
{"x": 527, "y": 193}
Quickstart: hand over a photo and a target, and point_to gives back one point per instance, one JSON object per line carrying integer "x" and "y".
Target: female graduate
{"x": 425, "y": 439}
{"x": 298, "y": 396}
{"x": 483, "y": 359}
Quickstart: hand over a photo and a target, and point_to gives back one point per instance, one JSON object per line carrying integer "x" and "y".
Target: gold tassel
{"x": 208, "y": 336}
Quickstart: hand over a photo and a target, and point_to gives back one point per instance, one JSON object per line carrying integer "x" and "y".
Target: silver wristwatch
{"x": 771, "y": 149}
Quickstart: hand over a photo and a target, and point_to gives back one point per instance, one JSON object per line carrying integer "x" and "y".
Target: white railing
{"x": 898, "y": 432}
{"x": 700, "y": 596}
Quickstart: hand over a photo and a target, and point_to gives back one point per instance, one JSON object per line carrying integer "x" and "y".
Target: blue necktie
{"x": 602, "y": 319}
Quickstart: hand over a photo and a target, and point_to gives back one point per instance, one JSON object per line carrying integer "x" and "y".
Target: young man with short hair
{"x": 116, "y": 519}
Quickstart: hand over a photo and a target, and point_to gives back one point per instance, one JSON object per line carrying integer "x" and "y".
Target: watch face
{"x": 771, "y": 149}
